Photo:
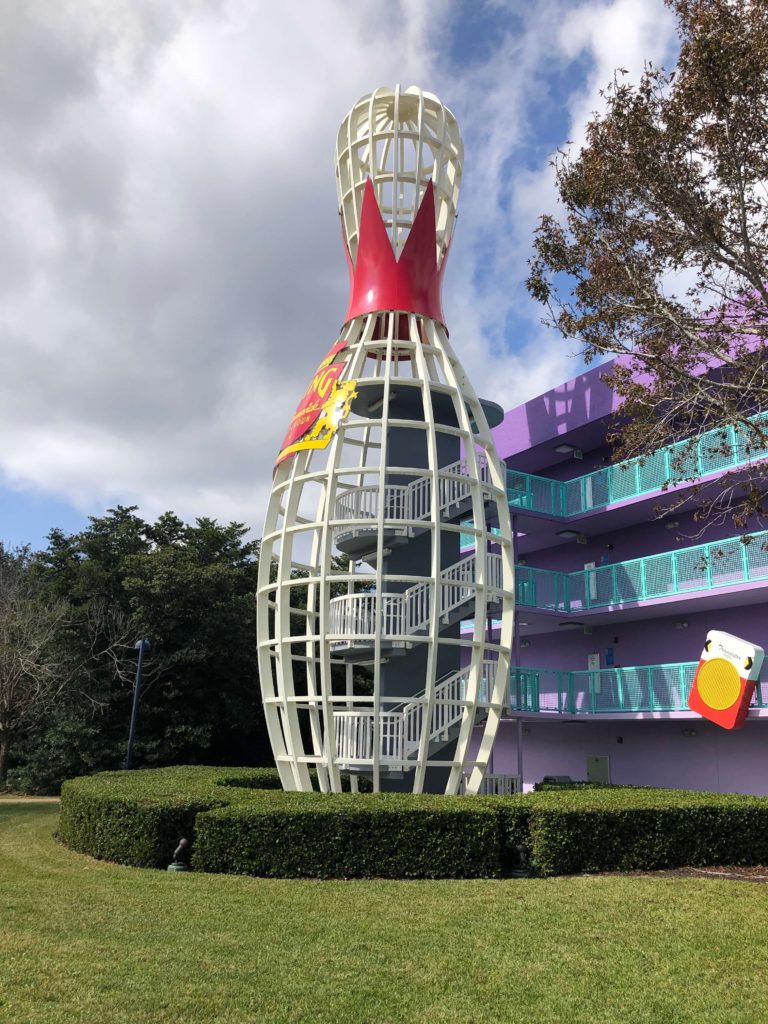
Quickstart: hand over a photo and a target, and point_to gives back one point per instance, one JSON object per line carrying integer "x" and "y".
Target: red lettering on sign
{"x": 314, "y": 399}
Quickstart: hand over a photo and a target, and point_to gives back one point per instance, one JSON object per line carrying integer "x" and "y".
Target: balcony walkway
{"x": 647, "y": 688}
{"x": 714, "y": 452}
{"x": 705, "y": 567}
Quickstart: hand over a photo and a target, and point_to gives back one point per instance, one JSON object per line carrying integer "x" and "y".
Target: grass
{"x": 86, "y": 941}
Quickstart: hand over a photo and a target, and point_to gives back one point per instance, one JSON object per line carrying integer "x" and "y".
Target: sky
{"x": 171, "y": 267}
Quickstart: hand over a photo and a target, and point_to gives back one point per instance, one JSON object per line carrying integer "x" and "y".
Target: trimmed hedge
{"x": 137, "y": 817}
{"x": 625, "y": 829}
{"x": 237, "y": 825}
{"x": 547, "y": 787}
{"x": 386, "y": 835}
{"x": 240, "y": 821}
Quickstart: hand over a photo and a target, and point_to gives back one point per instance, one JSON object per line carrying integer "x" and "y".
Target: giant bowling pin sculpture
{"x": 363, "y": 582}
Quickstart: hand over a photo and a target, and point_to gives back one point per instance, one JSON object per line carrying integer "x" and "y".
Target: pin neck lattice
{"x": 398, "y": 171}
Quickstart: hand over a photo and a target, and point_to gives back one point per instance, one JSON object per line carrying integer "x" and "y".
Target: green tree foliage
{"x": 660, "y": 253}
{"x": 190, "y": 590}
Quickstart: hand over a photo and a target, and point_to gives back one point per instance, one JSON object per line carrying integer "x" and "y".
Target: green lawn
{"x": 84, "y": 941}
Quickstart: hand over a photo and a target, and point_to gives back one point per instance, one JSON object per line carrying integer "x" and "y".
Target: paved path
{"x": 29, "y": 800}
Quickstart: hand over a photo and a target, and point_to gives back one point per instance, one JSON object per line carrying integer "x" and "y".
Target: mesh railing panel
{"x": 684, "y": 462}
{"x": 573, "y": 501}
{"x": 672, "y": 684}
{"x": 748, "y": 444}
{"x": 726, "y": 564}
{"x": 654, "y": 472}
{"x": 536, "y": 690}
{"x": 637, "y": 689}
{"x": 717, "y": 450}
{"x": 599, "y": 586}
{"x": 625, "y": 482}
{"x": 690, "y": 570}
{"x": 578, "y": 586}
{"x": 519, "y": 489}
{"x": 629, "y": 582}
{"x": 755, "y": 555}
{"x": 596, "y": 489}
{"x": 545, "y": 495}
{"x": 589, "y": 691}
{"x": 659, "y": 577}
{"x": 536, "y": 493}
{"x": 540, "y": 588}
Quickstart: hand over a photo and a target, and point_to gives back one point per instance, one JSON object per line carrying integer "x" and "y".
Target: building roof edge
{"x": 545, "y": 417}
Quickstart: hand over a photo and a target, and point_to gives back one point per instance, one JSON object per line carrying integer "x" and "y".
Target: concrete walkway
{"x": 28, "y": 799}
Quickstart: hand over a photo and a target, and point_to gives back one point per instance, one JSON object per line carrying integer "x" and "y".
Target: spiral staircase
{"x": 401, "y": 726}
{"x": 392, "y": 622}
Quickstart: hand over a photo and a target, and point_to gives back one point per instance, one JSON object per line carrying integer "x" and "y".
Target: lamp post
{"x": 141, "y": 646}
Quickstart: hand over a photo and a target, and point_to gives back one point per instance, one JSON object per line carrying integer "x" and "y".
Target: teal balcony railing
{"x": 710, "y": 566}
{"x": 643, "y": 688}
{"x": 542, "y": 588}
{"x": 715, "y": 451}
{"x": 467, "y": 540}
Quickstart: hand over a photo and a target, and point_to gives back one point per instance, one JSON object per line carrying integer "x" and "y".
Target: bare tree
{"x": 33, "y": 672}
{"x": 37, "y": 663}
{"x": 111, "y": 640}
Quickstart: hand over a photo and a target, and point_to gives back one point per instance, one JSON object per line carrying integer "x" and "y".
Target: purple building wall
{"x": 644, "y": 753}
{"x": 677, "y": 750}
{"x": 620, "y": 545}
{"x": 549, "y": 417}
{"x": 660, "y": 641}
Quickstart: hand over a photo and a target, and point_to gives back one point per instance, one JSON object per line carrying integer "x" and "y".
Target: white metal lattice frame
{"x": 400, "y": 139}
{"x": 342, "y": 468}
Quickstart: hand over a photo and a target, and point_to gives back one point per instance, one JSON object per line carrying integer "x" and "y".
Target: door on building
{"x": 599, "y": 768}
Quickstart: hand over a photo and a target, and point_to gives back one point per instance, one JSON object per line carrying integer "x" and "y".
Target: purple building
{"x": 613, "y": 607}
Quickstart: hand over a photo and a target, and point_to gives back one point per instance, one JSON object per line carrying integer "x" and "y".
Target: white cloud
{"x": 623, "y": 34}
{"x": 171, "y": 268}
{"x": 512, "y": 196}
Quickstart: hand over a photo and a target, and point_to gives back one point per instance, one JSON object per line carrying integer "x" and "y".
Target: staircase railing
{"x": 401, "y": 727}
{"x": 411, "y": 501}
{"x": 447, "y": 711}
{"x": 496, "y": 785}
{"x": 362, "y": 616}
{"x": 354, "y": 736}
